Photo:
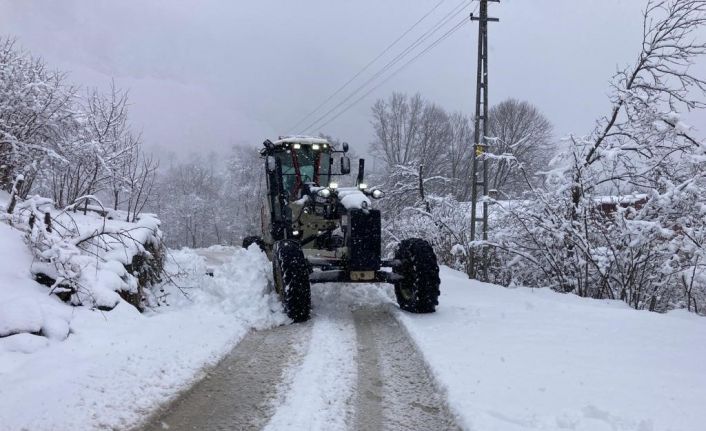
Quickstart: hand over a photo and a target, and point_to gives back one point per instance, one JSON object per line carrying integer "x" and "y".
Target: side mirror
{"x": 271, "y": 164}
{"x": 345, "y": 165}
{"x": 345, "y": 147}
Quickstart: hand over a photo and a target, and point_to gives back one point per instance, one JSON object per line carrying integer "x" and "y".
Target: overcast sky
{"x": 205, "y": 74}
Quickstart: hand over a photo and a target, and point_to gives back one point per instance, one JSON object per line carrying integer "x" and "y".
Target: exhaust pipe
{"x": 361, "y": 172}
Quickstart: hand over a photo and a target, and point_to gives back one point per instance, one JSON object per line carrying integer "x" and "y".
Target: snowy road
{"x": 351, "y": 367}
{"x": 504, "y": 359}
{"x": 237, "y": 393}
{"x": 395, "y": 389}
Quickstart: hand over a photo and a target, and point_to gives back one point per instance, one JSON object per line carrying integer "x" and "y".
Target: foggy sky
{"x": 205, "y": 74}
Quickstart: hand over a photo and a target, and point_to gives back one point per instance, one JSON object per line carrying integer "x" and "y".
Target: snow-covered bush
{"x": 91, "y": 258}
{"x": 647, "y": 250}
{"x": 442, "y": 221}
{"x": 622, "y": 213}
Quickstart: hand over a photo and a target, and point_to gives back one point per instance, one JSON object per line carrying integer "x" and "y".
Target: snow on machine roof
{"x": 307, "y": 140}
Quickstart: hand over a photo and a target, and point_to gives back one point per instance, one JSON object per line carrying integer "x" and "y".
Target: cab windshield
{"x": 304, "y": 165}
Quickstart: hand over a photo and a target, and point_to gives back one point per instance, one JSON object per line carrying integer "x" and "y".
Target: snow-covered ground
{"x": 117, "y": 367}
{"x": 507, "y": 359}
{"x": 533, "y": 359}
{"x": 25, "y": 306}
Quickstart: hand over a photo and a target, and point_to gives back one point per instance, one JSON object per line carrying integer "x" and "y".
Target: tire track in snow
{"x": 319, "y": 393}
{"x": 239, "y": 393}
{"x": 395, "y": 388}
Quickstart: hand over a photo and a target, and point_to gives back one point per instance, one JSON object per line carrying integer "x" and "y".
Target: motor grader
{"x": 316, "y": 231}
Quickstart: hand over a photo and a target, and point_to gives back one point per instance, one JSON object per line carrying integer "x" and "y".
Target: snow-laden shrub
{"x": 621, "y": 215}
{"x": 442, "y": 221}
{"x": 647, "y": 251}
{"x": 91, "y": 259}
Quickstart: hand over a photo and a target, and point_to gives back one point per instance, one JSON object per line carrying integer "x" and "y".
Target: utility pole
{"x": 479, "y": 139}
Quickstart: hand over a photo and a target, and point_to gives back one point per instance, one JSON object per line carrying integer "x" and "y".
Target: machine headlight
{"x": 295, "y": 233}
{"x": 297, "y": 146}
{"x": 377, "y": 194}
{"x": 333, "y": 185}
{"x": 315, "y": 147}
{"x": 362, "y": 186}
{"x": 324, "y": 193}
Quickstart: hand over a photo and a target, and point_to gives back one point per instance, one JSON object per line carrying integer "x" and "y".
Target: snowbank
{"x": 522, "y": 359}
{"x": 118, "y": 366}
{"x": 25, "y": 306}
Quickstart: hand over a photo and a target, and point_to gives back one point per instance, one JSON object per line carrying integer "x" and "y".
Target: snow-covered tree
{"x": 410, "y": 131}
{"x": 64, "y": 145}
{"x": 35, "y": 115}
{"x": 622, "y": 213}
{"x": 208, "y": 201}
{"x": 517, "y": 128}
{"x": 243, "y": 191}
{"x": 458, "y": 155}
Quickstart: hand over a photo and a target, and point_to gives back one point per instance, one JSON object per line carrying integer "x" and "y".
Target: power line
{"x": 358, "y": 100}
{"x": 428, "y": 48}
{"x": 421, "y": 39}
{"x": 370, "y": 63}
